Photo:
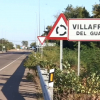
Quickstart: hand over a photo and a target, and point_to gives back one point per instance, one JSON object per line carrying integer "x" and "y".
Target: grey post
{"x": 78, "y": 58}
{"x": 41, "y": 51}
{"x": 61, "y": 53}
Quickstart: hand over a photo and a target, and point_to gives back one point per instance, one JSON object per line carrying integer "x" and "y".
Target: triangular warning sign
{"x": 59, "y": 30}
{"x": 42, "y": 39}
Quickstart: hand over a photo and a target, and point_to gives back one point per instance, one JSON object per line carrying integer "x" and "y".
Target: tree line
{"x": 76, "y": 12}
{"x": 5, "y": 44}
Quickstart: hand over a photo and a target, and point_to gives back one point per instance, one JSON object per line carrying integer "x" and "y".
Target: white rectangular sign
{"x": 86, "y": 29}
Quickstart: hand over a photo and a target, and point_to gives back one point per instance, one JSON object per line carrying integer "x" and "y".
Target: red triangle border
{"x": 39, "y": 39}
{"x": 57, "y": 38}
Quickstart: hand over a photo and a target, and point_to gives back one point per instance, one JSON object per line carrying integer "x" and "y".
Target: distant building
{"x": 23, "y": 47}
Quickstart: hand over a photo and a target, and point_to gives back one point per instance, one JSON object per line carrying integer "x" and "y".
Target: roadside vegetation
{"x": 67, "y": 84}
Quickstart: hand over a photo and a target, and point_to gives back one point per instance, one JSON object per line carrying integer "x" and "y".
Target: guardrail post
{"x": 51, "y": 82}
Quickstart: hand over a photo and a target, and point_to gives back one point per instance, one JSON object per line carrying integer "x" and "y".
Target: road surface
{"x": 13, "y": 84}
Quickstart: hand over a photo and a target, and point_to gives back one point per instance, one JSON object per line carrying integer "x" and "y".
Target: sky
{"x": 19, "y": 19}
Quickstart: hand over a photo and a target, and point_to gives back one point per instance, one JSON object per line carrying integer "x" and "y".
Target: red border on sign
{"x": 57, "y": 38}
{"x": 81, "y": 19}
{"x": 39, "y": 39}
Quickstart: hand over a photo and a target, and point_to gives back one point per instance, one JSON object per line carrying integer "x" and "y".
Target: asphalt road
{"x": 11, "y": 74}
{"x": 8, "y": 58}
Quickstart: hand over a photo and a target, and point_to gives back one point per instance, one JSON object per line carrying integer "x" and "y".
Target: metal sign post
{"x": 61, "y": 53}
{"x": 78, "y": 58}
{"x": 41, "y": 51}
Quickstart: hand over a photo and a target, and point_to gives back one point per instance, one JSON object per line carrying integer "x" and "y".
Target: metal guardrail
{"x": 46, "y": 94}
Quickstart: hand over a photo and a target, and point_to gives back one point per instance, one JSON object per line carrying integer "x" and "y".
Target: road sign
{"x": 42, "y": 39}
{"x": 87, "y": 29}
{"x": 60, "y": 29}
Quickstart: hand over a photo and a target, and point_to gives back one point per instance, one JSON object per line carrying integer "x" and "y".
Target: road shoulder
{"x": 28, "y": 89}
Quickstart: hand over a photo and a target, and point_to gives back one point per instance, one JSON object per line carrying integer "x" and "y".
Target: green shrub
{"x": 29, "y": 76}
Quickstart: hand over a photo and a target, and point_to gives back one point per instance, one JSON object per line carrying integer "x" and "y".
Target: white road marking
{"x": 10, "y": 63}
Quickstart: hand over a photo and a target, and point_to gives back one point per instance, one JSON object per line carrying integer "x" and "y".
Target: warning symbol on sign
{"x": 60, "y": 29}
{"x": 62, "y": 33}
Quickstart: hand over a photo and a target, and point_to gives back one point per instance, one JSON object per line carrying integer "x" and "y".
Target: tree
{"x": 8, "y": 45}
{"x": 96, "y": 14}
{"x": 33, "y": 44}
{"x": 77, "y": 12}
{"x": 25, "y": 43}
{"x": 17, "y": 46}
{"x": 48, "y": 28}
{"x": 96, "y": 11}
